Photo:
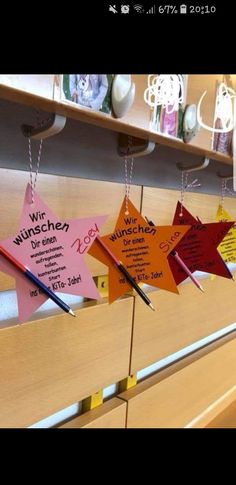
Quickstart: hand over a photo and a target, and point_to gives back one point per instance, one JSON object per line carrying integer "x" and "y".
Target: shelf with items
{"x": 127, "y": 125}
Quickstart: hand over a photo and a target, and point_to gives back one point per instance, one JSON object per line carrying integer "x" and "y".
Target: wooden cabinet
{"x": 49, "y": 364}
{"x": 111, "y": 414}
{"x": 180, "y": 320}
{"x": 223, "y": 414}
{"x": 180, "y": 395}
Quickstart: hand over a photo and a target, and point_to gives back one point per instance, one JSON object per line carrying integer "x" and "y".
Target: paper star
{"x": 142, "y": 249}
{"x": 227, "y": 247}
{"x": 53, "y": 251}
{"x": 198, "y": 248}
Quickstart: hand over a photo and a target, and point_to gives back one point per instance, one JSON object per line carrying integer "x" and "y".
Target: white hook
{"x": 193, "y": 168}
{"x": 224, "y": 177}
{"x": 53, "y": 125}
{"x": 137, "y": 147}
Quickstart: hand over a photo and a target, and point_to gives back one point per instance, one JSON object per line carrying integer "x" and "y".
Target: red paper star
{"x": 198, "y": 248}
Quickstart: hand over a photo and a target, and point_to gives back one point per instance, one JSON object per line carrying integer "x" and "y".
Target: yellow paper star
{"x": 227, "y": 247}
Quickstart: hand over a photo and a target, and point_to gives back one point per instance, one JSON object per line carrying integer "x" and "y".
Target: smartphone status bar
{"x": 183, "y": 9}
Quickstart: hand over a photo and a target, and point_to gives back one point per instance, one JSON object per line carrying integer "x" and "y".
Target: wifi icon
{"x": 138, "y": 8}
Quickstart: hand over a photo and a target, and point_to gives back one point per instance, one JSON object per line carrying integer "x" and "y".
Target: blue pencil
{"x": 36, "y": 281}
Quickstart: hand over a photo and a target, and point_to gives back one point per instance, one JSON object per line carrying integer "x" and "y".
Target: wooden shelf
{"x": 106, "y": 121}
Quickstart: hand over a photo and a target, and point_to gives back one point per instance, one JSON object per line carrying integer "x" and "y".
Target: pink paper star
{"x": 53, "y": 251}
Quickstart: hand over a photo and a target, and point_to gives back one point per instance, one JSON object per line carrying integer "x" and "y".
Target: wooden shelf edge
{"x": 212, "y": 411}
{"x": 105, "y": 121}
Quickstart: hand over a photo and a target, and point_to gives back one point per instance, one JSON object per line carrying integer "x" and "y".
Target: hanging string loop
{"x": 128, "y": 174}
{"x": 225, "y": 190}
{"x": 185, "y": 185}
{"x": 33, "y": 182}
